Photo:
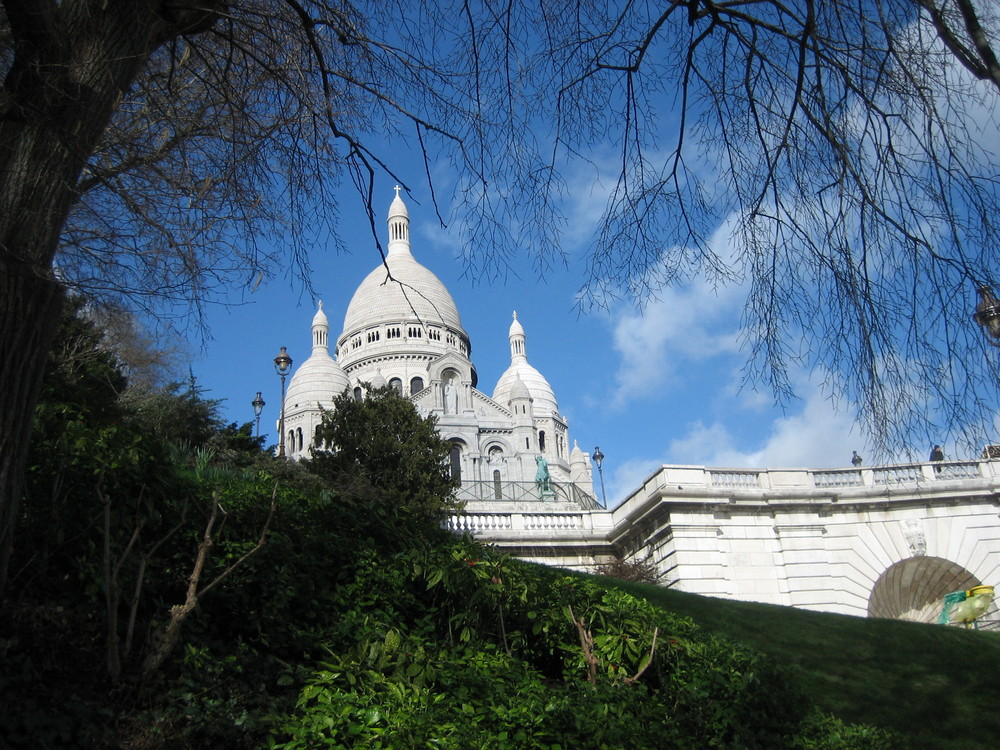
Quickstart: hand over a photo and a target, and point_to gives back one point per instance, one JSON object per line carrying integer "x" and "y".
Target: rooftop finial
{"x": 516, "y": 336}
{"x": 399, "y": 226}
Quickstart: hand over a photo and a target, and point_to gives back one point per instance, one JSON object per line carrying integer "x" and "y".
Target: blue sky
{"x": 663, "y": 385}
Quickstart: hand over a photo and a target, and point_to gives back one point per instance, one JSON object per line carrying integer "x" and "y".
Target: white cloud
{"x": 815, "y": 435}
{"x": 690, "y": 324}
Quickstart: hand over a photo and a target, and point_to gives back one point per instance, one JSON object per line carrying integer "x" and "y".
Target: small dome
{"x": 519, "y": 390}
{"x": 516, "y": 329}
{"x": 317, "y": 381}
{"x": 378, "y": 381}
{"x": 577, "y": 455}
{"x": 543, "y": 399}
{"x": 397, "y": 209}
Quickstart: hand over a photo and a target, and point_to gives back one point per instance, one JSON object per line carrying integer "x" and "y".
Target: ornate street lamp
{"x": 258, "y": 407}
{"x": 988, "y": 314}
{"x": 282, "y": 365}
{"x": 599, "y": 460}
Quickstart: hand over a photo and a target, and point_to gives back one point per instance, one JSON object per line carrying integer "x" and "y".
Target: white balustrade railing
{"x": 549, "y": 521}
{"x": 791, "y": 482}
{"x": 964, "y": 470}
{"x": 491, "y": 523}
{"x": 838, "y": 478}
{"x": 738, "y": 479}
{"x": 903, "y": 474}
{"x": 476, "y": 523}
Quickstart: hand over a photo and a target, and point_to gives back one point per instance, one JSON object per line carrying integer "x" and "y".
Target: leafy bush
{"x": 510, "y": 655}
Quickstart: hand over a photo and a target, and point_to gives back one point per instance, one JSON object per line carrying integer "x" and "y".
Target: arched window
{"x": 456, "y": 462}
{"x": 317, "y": 442}
{"x": 358, "y": 395}
{"x": 299, "y": 435}
{"x": 416, "y": 385}
{"x": 397, "y": 385}
{"x": 541, "y": 441}
{"x": 497, "y": 488}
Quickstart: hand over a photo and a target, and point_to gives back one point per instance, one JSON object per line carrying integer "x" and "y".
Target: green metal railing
{"x": 525, "y": 492}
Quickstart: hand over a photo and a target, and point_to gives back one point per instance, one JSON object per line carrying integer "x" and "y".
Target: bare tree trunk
{"x": 168, "y": 636}
{"x": 73, "y": 61}
{"x": 26, "y": 307}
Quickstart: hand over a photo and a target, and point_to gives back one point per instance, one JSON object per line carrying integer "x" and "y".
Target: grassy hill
{"x": 938, "y": 685}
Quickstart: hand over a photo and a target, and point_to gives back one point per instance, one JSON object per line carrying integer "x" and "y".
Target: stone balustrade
{"x": 844, "y": 540}
{"x": 810, "y": 484}
{"x": 520, "y": 510}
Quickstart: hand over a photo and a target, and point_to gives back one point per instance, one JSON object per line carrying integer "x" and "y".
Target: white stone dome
{"x": 414, "y": 294}
{"x": 317, "y": 381}
{"x": 543, "y": 398}
{"x": 401, "y": 290}
{"x": 518, "y": 390}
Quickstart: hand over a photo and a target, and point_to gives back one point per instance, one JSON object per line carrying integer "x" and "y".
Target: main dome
{"x": 406, "y": 291}
{"x": 401, "y": 290}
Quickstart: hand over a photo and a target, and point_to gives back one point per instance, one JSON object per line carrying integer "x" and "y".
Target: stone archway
{"x": 914, "y": 589}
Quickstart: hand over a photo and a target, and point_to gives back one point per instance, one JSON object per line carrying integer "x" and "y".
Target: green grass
{"x": 939, "y": 686}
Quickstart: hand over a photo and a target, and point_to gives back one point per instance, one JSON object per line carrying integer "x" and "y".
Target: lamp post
{"x": 282, "y": 364}
{"x": 599, "y": 460}
{"x": 987, "y": 314}
{"x": 258, "y": 407}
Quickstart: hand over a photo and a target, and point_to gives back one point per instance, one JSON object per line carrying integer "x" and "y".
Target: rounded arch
{"x": 487, "y": 446}
{"x": 416, "y": 385}
{"x": 914, "y": 589}
{"x": 455, "y": 456}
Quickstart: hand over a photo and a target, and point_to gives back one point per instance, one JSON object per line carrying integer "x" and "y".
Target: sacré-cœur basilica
{"x": 883, "y": 541}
